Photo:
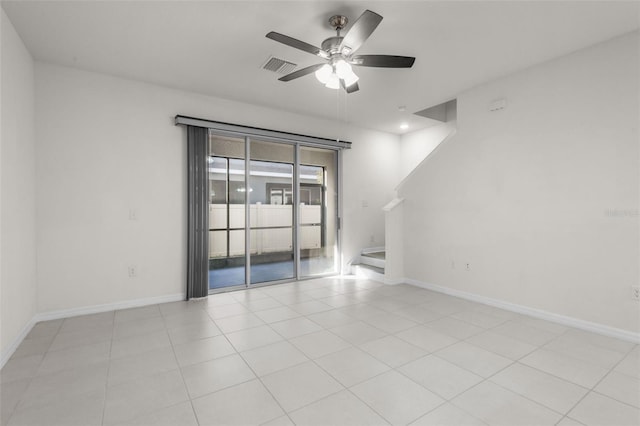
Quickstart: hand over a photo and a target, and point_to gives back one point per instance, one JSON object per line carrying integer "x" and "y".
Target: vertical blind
{"x": 198, "y": 221}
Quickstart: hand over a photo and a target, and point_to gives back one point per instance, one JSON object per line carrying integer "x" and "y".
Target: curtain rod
{"x": 259, "y": 132}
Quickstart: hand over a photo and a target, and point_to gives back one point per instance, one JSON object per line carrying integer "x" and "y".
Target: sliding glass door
{"x": 273, "y": 211}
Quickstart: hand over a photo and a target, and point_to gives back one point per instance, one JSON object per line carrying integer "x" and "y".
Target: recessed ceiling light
{"x": 404, "y": 126}
{"x": 402, "y": 108}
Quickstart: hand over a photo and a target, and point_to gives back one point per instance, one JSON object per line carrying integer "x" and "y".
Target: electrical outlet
{"x": 133, "y": 271}
{"x": 635, "y": 292}
{"x": 468, "y": 267}
{"x": 372, "y": 239}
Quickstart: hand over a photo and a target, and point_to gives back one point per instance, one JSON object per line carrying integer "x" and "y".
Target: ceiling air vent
{"x": 279, "y": 65}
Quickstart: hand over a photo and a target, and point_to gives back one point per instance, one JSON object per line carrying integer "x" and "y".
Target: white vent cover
{"x": 279, "y": 65}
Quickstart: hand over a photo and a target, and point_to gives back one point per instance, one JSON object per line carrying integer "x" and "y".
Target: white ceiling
{"x": 218, "y": 47}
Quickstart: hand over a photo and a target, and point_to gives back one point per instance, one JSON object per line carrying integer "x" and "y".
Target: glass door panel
{"x": 271, "y": 211}
{"x": 318, "y": 210}
{"x": 226, "y": 212}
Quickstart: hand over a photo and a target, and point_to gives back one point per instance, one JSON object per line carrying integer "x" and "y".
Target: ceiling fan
{"x": 339, "y": 53}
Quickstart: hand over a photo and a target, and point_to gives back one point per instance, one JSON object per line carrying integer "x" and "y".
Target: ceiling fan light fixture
{"x": 324, "y": 74}
{"x": 333, "y": 82}
{"x": 350, "y": 79}
{"x": 343, "y": 69}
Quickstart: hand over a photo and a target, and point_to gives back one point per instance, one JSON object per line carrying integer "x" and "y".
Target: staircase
{"x": 370, "y": 265}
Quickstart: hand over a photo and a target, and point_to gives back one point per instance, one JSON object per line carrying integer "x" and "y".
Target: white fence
{"x": 278, "y": 238}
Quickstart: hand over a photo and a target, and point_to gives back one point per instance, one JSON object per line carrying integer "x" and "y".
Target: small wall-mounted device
{"x": 498, "y": 104}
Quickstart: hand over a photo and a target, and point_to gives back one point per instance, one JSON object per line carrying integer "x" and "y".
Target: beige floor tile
{"x": 300, "y": 385}
{"x": 122, "y": 370}
{"x": 453, "y": 327}
{"x": 261, "y": 304}
{"x": 75, "y": 357}
{"x": 238, "y": 322}
{"x": 357, "y": 333}
{"x": 274, "y": 357}
{"x": 196, "y": 331}
{"x": 341, "y": 408}
{"x": 478, "y": 318}
{"x": 596, "y": 409}
{"x": 10, "y": 394}
{"x": 251, "y": 338}
{"x": 426, "y": 338}
{"x": 502, "y": 345}
{"x": 137, "y": 314}
{"x": 630, "y": 365}
{"x": 339, "y": 301}
{"x": 548, "y": 390}
{"x": 56, "y": 387}
{"x": 390, "y": 323}
{"x": 351, "y": 366}
{"x": 20, "y": 368}
{"x": 439, "y": 376}
{"x": 143, "y": 396}
{"x": 605, "y": 342}
{"x": 332, "y": 318}
{"x": 621, "y": 387}
{"x": 82, "y": 410}
{"x": 295, "y": 327}
{"x": 211, "y": 376}
{"x": 525, "y": 333}
{"x": 587, "y": 352}
{"x": 320, "y": 343}
{"x": 310, "y": 307}
{"x": 34, "y": 346}
{"x": 45, "y": 328}
{"x": 186, "y": 318}
{"x": 280, "y": 421}
{"x": 277, "y": 314}
{"x": 396, "y": 398}
{"x": 245, "y": 404}
{"x": 448, "y": 415}
{"x": 203, "y": 350}
{"x": 566, "y": 421}
{"x": 474, "y": 359}
{"x": 140, "y": 344}
{"x": 227, "y": 310}
{"x": 498, "y": 406}
{"x": 417, "y": 314}
{"x": 393, "y": 351}
{"x": 80, "y": 338}
{"x": 125, "y": 329}
{"x": 565, "y": 367}
{"x": 176, "y": 415}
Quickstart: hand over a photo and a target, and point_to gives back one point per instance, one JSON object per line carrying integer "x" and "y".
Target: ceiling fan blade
{"x": 301, "y": 72}
{"x": 297, "y": 44}
{"x": 360, "y": 31}
{"x": 383, "y": 61}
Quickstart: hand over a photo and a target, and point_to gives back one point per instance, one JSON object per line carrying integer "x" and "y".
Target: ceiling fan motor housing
{"x": 332, "y": 45}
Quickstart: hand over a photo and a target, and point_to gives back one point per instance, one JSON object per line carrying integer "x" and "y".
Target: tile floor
{"x": 324, "y": 352}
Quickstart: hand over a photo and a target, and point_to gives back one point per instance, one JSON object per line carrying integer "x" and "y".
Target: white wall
{"x": 107, "y": 145}
{"x": 18, "y": 190}
{"x": 416, "y": 146}
{"x": 523, "y": 194}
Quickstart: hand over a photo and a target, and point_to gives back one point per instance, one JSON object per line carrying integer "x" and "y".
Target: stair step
{"x": 376, "y": 255}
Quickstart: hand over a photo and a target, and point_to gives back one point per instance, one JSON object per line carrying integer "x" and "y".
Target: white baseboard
{"x": 96, "y": 309}
{"x": 8, "y": 352}
{"x": 394, "y": 281}
{"x": 593, "y": 327}
{"x": 85, "y": 310}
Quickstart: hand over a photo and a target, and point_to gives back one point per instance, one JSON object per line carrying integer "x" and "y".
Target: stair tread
{"x": 376, "y": 255}
{"x": 370, "y": 267}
